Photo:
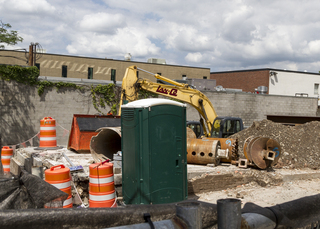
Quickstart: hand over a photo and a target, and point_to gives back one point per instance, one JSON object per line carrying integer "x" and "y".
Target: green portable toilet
{"x": 154, "y": 151}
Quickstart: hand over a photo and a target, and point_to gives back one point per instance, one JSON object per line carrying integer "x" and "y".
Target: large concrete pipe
{"x": 106, "y": 143}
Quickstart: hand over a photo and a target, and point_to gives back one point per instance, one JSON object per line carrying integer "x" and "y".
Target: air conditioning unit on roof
{"x": 156, "y": 61}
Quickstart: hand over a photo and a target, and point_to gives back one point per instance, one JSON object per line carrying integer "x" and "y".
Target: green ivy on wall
{"x": 25, "y": 75}
{"x": 102, "y": 95}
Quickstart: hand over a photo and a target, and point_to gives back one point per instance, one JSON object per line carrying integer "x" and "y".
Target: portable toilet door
{"x": 154, "y": 154}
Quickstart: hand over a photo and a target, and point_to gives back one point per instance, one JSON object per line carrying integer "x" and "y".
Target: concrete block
{"x": 28, "y": 165}
{"x": 117, "y": 179}
{"x": 16, "y": 166}
{"x": 37, "y": 171}
{"x": 36, "y": 161}
{"x": 21, "y": 158}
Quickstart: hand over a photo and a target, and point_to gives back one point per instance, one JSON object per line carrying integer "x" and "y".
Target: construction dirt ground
{"x": 295, "y": 175}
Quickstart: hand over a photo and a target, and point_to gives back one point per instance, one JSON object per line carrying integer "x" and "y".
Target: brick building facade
{"x": 247, "y": 80}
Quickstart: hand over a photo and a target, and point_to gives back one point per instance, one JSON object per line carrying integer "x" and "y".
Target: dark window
{"x": 64, "y": 70}
{"x": 230, "y": 127}
{"x": 38, "y": 65}
{"x": 90, "y": 73}
{"x": 113, "y": 75}
{"x": 159, "y": 73}
{"x": 205, "y": 77}
{"x": 184, "y": 76}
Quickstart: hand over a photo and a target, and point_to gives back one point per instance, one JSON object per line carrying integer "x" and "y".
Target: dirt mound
{"x": 300, "y": 145}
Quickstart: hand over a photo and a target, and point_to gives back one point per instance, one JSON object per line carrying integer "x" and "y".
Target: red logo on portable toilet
{"x": 6, "y": 155}
{"x": 59, "y": 176}
{"x": 101, "y": 186}
{"x": 48, "y": 136}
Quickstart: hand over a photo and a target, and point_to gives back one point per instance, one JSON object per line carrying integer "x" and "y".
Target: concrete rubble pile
{"x": 37, "y": 161}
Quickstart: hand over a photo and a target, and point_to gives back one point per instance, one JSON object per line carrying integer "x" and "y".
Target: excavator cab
{"x": 223, "y": 127}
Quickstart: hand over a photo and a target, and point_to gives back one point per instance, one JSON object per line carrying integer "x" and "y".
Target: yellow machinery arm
{"x": 182, "y": 92}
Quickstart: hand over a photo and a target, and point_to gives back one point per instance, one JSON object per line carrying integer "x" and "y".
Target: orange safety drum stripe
{"x": 7, "y": 153}
{"x": 48, "y": 143}
{"x": 102, "y": 171}
{"x": 48, "y": 122}
{"x": 5, "y": 161}
{"x": 62, "y": 177}
{"x": 67, "y": 190}
{"x": 101, "y": 187}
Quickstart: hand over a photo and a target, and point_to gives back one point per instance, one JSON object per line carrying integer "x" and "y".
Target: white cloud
{"x": 102, "y": 22}
{"x": 221, "y": 35}
{"x": 27, "y": 7}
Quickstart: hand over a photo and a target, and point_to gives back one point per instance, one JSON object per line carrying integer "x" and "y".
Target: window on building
{"x": 38, "y": 65}
{"x": 316, "y": 89}
{"x": 159, "y": 73}
{"x": 113, "y": 75}
{"x": 90, "y": 73}
{"x": 64, "y": 70}
{"x": 184, "y": 77}
{"x": 205, "y": 77}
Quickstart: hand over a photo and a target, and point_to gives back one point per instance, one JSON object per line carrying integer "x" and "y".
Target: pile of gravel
{"x": 300, "y": 145}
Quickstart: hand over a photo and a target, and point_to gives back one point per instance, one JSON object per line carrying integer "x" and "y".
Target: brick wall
{"x": 245, "y": 80}
{"x": 21, "y": 109}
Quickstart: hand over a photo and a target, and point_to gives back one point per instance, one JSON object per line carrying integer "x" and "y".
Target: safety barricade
{"x": 6, "y": 155}
{"x": 59, "y": 176}
{"x": 48, "y": 136}
{"x": 101, "y": 186}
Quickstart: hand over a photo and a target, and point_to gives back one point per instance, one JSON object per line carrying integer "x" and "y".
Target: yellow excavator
{"x": 210, "y": 125}
{"x": 212, "y": 146}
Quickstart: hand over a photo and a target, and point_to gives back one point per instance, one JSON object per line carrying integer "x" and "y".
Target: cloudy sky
{"x": 220, "y": 35}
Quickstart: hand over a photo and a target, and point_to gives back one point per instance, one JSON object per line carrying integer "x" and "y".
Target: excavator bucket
{"x": 84, "y": 128}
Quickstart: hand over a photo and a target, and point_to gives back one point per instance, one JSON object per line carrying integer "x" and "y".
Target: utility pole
{"x": 31, "y": 62}
{"x": 33, "y": 54}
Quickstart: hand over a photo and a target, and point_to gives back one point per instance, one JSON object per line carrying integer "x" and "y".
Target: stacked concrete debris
{"x": 300, "y": 145}
{"x": 45, "y": 159}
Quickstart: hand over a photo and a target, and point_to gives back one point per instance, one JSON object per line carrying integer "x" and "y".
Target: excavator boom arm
{"x": 182, "y": 92}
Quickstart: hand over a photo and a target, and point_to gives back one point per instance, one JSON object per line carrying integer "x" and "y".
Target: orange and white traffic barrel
{"x": 59, "y": 176}
{"x": 6, "y": 155}
{"x": 48, "y": 135}
{"x": 101, "y": 186}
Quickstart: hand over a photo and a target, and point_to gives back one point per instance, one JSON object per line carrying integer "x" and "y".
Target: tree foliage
{"x": 9, "y": 37}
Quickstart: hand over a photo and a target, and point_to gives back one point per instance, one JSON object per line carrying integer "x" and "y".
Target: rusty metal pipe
{"x": 203, "y": 151}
